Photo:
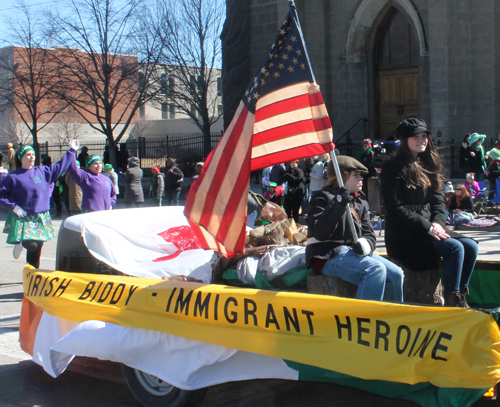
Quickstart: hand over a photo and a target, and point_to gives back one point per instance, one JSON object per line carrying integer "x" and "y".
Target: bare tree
{"x": 66, "y": 126}
{"x": 28, "y": 74}
{"x": 140, "y": 129}
{"x": 13, "y": 131}
{"x": 190, "y": 31}
{"x": 105, "y": 82}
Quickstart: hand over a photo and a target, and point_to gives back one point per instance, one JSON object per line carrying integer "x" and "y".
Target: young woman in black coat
{"x": 296, "y": 189}
{"x": 411, "y": 184}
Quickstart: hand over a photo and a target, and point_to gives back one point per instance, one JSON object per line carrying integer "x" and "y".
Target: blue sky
{"x": 9, "y": 10}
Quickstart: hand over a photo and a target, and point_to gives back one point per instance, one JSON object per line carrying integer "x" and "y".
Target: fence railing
{"x": 187, "y": 149}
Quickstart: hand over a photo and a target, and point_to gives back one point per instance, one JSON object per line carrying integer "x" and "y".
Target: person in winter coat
{"x": 317, "y": 174}
{"x": 83, "y": 156}
{"x": 197, "y": 169}
{"x": 366, "y": 157}
{"x": 275, "y": 193}
{"x": 113, "y": 176}
{"x": 26, "y": 193}
{"x": 11, "y": 158}
{"x": 74, "y": 194}
{"x": 477, "y": 156}
{"x": 157, "y": 185}
{"x": 472, "y": 185}
{"x": 277, "y": 172}
{"x": 62, "y": 191}
{"x": 265, "y": 178}
{"x": 3, "y": 170}
{"x": 494, "y": 171}
{"x": 296, "y": 190}
{"x": 465, "y": 159}
{"x": 415, "y": 235}
{"x": 133, "y": 183}
{"x": 330, "y": 249}
{"x": 173, "y": 182}
{"x": 461, "y": 201}
{"x": 98, "y": 193}
{"x": 497, "y": 143}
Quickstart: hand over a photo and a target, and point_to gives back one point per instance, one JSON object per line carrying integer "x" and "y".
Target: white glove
{"x": 20, "y": 212}
{"x": 74, "y": 145}
{"x": 362, "y": 247}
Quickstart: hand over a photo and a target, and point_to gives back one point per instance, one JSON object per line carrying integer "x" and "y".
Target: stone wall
{"x": 459, "y": 65}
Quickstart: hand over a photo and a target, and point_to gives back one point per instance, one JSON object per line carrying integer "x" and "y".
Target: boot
{"x": 463, "y": 294}
{"x": 452, "y": 300}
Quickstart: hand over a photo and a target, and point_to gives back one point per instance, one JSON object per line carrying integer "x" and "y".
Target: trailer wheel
{"x": 151, "y": 391}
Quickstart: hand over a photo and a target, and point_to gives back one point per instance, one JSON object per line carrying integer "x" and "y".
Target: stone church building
{"x": 382, "y": 60}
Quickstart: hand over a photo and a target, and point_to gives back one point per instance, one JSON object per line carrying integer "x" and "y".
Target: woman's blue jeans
{"x": 459, "y": 260}
{"x": 377, "y": 278}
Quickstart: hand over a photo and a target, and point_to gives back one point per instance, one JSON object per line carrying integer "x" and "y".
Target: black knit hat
{"x": 411, "y": 126}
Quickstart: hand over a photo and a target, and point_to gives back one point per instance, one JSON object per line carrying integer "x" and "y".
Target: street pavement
{"x": 23, "y": 383}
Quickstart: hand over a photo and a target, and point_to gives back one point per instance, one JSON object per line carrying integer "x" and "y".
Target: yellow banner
{"x": 449, "y": 347}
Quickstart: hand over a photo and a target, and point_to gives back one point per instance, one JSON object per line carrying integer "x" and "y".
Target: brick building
{"x": 384, "y": 60}
{"x": 51, "y": 77}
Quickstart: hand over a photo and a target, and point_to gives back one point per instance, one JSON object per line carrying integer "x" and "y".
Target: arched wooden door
{"x": 397, "y": 73}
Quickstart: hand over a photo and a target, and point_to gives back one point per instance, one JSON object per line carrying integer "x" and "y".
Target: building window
{"x": 163, "y": 83}
{"x": 171, "y": 111}
{"x": 171, "y": 85}
{"x": 142, "y": 112}
{"x": 164, "y": 111}
{"x": 220, "y": 109}
{"x": 142, "y": 82}
{"x": 219, "y": 86}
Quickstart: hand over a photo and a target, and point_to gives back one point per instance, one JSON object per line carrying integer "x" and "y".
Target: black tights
{"x": 33, "y": 252}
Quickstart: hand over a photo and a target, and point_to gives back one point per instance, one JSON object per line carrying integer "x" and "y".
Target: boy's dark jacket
{"x": 327, "y": 220}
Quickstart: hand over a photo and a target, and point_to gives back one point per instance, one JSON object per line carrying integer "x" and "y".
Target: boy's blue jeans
{"x": 377, "y": 278}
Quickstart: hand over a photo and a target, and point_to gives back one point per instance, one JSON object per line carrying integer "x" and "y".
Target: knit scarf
{"x": 480, "y": 148}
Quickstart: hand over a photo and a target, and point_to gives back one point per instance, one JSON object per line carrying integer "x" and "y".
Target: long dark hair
{"x": 424, "y": 172}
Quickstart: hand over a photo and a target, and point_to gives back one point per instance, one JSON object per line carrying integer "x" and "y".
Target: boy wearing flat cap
{"x": 330, "y": 248}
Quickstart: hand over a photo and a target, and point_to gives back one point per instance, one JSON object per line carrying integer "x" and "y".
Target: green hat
{"x": 475, "y": 137}
{"x": 494, "y": 154}
{"x": 92, "y": 159}
{"x": 108, "y": 167}
{"x": 272, "y": 184}
{"x": 347, "y": 163}
{"x": 23, "y": 150}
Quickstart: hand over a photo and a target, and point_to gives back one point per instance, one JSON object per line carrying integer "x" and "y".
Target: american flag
{"x": 281, "y": 117}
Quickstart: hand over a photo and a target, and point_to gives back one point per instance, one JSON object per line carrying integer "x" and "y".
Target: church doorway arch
{"x": 395, "y": 72}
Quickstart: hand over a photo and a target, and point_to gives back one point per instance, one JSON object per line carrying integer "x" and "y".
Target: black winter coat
{"x": 173, "y": 179}
{"x": 494, "y": 172}
{"x": 466, "y": 204}
{"x": 324, "y": 224}
{"x": 406, "y": 231}
{"x": 474, "y": 164}
{"x": 295, "y": 179}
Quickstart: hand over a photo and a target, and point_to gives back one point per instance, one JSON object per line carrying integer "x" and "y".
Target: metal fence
{"x": 187, "y": 149}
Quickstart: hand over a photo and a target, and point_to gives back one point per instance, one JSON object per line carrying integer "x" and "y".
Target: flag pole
{"x": 350, "y": 219}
